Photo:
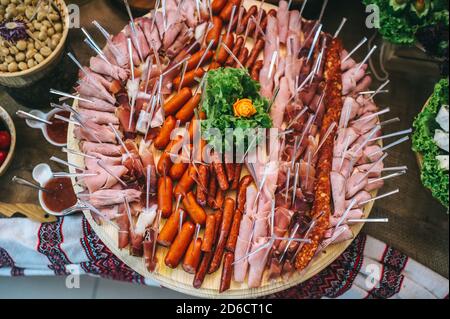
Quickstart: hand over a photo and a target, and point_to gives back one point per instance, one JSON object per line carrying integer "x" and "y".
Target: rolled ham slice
{"x": 104, "y": 149}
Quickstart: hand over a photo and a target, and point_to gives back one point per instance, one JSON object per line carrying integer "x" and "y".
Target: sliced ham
{"x": 355, "y": 183}
{"x": 104, "y": 149}
{"x": 338, "y": 191}
{"x": 91, "y": 163}
{"x": 362, "y": 196}
{"x": 96, "y": 105}
{"x": 99, "y": 92}
{"x": 279, "y": 106}
{"x": 103, "y": 180}
{"x": 139, "y": 40}
{"x": 258, "y": 263}
{"x": 99, "y": 117}
{"x": 151, "y": 34}
{"x": 98, "y": 65}
{"x": 108, "y": 197}
{"x": 283, "y": 20}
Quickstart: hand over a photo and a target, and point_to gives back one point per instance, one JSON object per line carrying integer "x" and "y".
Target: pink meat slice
{"x": 91, "y": 163}
{"x": 96, "y": 105}
{"x": 279, "y": 106}
{"x": 338, "y": 191}
{"x": 283, "y": 20}
{"x": 355, "y": 183}
{"x": 100, "y": 66}
{"x": 360, "y": 197}
{"x": 104, "y": 149}
{"x": 139, "y": 40}
{"x": 257, "y": 263}
{"x": 99, "y": 117}
{"x": 242, "y": 248}
{"x": 108, "y": 197}
{"x": 90, "y": 90}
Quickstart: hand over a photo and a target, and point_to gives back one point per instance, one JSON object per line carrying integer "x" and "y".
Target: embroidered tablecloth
{"x": 367, "y": 269}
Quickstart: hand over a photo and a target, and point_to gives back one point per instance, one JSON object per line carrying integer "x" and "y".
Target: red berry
{"x": 5, "y": 140}
{"x": 3, "y": 155}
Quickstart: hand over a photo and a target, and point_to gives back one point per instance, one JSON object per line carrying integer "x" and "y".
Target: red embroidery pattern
{"x": 102, "y": 261}
{"x": 332, "y": 281}
{"x": 50, "y": 238}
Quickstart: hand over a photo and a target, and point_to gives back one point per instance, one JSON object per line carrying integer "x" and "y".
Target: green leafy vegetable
{"x": 433, "y": 177}
{"x": 399, "y": 26}
{"x": 224, "y": 87}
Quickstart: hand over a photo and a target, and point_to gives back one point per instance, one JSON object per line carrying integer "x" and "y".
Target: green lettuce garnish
{"x": 433, "y": 177}
{"x": 224, "y": 87}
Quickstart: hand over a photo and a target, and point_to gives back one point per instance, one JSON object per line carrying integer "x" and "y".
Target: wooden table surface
{"x": 418, "y": 224}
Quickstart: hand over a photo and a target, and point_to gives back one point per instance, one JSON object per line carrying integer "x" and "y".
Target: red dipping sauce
{"x": 61, "y": 194}
{"x": 57, "y": 131}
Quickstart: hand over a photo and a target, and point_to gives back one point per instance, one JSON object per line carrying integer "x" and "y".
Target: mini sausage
{"x": 214, "y": 33}
{"x": 177, "y": 170}
{"x": 229, "y": 168}
{"x": 217, "y": 6}
{"x": 177, "y": 101}
{"x": 243, "y": 56}
{"x": 186, "y": 182}
{"x": 225, "y": 14}
{"x": 187, "y": 111}
{"x": 227, "y": 218}
{"x": 179, "y": 245}
{"x": 202, "y": 185}
{"x": 227, "y": 272}
{"x": 246, "y": 18}
{"x": 256, "y": 69}
{"x": 192, "y": 256}
{"x": 237, "y": 176}
{"x": 209, "y": 235}
{"x": 196, "y": 58}
{"x": 170, "y": 228}
{"x": 165, "y": 194}
{"x": 189, "y": 79}
{"x": 221, "y": 176}
{"x": 241, "y": 197}
{"x": 212, "y": 190}
{"x": 234, "y": 231}
{"x": 195, "y": 211}
{"x": 222, "y": 54}
{"x": 256, "y": 50}
{"x": 163, "y": 137}
{"x": 236, "y": 49}
{"x": 220, "y": 197}
{"x": 165, "y": 160}
{"x": 202, "y": 270}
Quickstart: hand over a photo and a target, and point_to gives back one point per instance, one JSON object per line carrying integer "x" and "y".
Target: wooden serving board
{"x": 177, "y": 279}
{"x": 31, "y": 211}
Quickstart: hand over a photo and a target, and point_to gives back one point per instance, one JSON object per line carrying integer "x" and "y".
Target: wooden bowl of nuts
{"x": 32, "y": 38}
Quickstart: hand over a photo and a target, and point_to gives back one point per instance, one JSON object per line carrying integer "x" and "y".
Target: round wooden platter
{"x": 177, "y": 279}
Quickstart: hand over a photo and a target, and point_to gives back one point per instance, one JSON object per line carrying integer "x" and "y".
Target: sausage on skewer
{"x": 209, "y": 235}
{"x": 227, "y": 272}
{"x": 192, "y": 256}
{"x": 177, "y": 101}
{"x": 228, "y": 212}
{"x": 165, "y": 188}
{"x": 214, "y": 33}
{"x": 170, "y": 228}
{"x": 163, "y": 137}
{"x": 195, "y": 211}
{"x": 179, "y": 245}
